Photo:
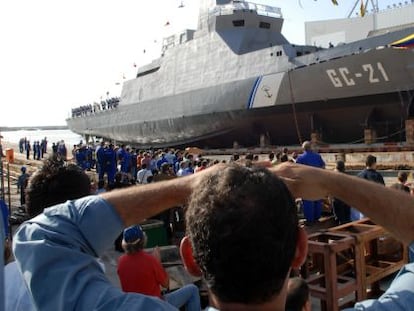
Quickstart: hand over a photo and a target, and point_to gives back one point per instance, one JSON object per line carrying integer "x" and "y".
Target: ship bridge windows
{"x": 278, "y": 53}
{"x": 264, "y": 25}
{"x": 238, "y": 23}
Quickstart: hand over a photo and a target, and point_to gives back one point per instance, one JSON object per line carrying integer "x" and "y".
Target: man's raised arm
{"x": 387, "y": 207}
{"x": 135, "y": 204}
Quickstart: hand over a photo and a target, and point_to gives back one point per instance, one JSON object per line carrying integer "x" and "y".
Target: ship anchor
{"x": 266, "y": 89}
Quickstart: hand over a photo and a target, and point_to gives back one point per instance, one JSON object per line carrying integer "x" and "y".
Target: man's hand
{"x": 303, "y": 181}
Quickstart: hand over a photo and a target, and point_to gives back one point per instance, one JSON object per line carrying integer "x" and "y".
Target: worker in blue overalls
{"x": 110, "y": 163}
{"x": 100, "y": 160}
{"x": 311, "y": 209}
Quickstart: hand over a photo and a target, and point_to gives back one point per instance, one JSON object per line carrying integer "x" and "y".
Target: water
{"x": 52, "y": 136}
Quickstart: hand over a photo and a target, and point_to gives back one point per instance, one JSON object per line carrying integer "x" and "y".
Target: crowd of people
{"x": 120, "y": 165}
{"x": 110, "y": 103}
{"x": 39, "y": 148}
{"x": 236, "y": 240}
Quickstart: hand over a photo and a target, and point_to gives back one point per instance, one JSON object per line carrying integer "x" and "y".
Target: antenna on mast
{"x": 364, "y": 7}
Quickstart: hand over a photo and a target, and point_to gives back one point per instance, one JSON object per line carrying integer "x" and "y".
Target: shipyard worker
{"x": 185, "y": 168}
{"x": 120, "y": 153}
{"x": 2, "y": 155}
{"x": 44, "y": 144}
{"x": 2, "y": 246}
{"x": 161, "y": 160}
{"x": 147, "y": 159}
{"x": 100, "y": 160}
{"x": 80, "y": 156}
{"x": 22, "y": 182}
{"x": 235, "y": 157}
{"x": 272, "y": 158}
{"x": 134, "y": 164}
{"x": 402, "y": 180}
{"x": 54, "y": 148}
{"x": 342, "y": 211}
{"x": 311, "y": 209}
{"x": 61, "y": 150}
{"x": 369, "y": 173}
{"x": 223, "y": 243}
{"x": 110, "y": 164}
{"x": 38, "y": 151}
{"x": 284, "y": 158}
{"x": 34, "y": 150}
{"x": 140, "y": 272}
{"x": 170, "y": 156}
{"x": 298, "y": 297}
{"x": 54, "y": 183}
{"x": 28, "y": 148}
{"x": 21, "y": 145}
{"x": 143, "y": 174}
{"x": 126, "y": 161}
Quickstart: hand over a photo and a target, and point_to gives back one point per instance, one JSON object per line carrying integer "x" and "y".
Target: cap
{"x": 133, "y": 234}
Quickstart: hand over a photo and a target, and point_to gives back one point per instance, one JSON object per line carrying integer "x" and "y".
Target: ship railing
{"x": 261, "y": 9}
{"x": 90, "y": 109}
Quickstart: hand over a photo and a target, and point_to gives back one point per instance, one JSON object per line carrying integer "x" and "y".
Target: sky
{"x": 59, "y": 54}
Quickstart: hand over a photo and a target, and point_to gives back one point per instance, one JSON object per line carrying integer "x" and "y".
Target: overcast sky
{"x": 56, "y": 55}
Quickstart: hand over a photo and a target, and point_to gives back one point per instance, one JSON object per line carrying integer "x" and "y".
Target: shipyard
{"x": 234, "y": 170}
{"x": 278, "y": 98}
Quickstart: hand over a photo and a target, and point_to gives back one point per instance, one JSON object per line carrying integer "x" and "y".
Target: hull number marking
{"x": 343, "y": 77}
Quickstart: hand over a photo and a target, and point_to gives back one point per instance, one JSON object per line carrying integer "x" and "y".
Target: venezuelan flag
{"x": 404, "y": 43}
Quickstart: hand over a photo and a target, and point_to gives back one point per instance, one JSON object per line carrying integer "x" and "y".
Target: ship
{"x": 236, "y": 80}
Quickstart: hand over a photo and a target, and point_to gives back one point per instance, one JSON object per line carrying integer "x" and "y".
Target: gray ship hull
{"x": 306, "y": 100}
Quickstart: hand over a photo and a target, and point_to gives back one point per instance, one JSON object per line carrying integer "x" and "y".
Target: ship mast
{"x": 364, "y": 7}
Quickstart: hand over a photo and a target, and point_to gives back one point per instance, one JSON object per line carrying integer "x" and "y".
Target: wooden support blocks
{"x": 331, "y": 273}
{"x": 377, "y": 254}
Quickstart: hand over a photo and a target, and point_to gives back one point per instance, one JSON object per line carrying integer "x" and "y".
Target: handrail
{"x": 261, "y": 9}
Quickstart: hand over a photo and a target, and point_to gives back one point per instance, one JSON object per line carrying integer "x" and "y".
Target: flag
{"x": 362, "y": 8}
{"x": 404, "y": 43}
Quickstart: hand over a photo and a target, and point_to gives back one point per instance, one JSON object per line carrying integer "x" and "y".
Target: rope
{"x": 292, "y": 98}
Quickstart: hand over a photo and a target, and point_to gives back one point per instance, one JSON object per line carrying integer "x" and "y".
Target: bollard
{"x": 10, "y": 155}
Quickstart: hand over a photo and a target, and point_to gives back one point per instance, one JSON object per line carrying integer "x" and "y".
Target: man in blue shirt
{"x": 53, "y": 183}
{"x": 370, "y": 171}
{"x": 4, "y": 210}
{"x": 311, "y": 209}
{"x": 2, "y": 239}
{"x": 56, "y": 250}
